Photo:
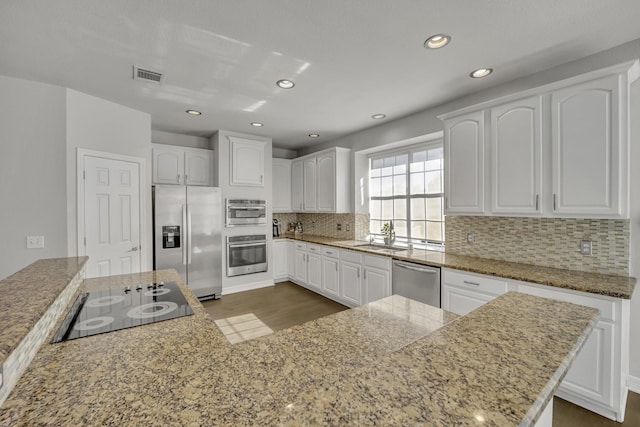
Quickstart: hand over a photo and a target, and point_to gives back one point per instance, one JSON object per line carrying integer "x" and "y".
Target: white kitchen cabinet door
{"x": 247, "y": 162}
{"x": 300, "y": 275}
{"x": 198, "y": 166}
{"x": 587, "y": 149}
{"x": 168, "y": 165}
{"x": 297, "y": 186}
{"x": 281, "y": 169}
{"x": 280, "y": 260}
{"x": 326, "y": 182}
{"x": 331, "y": 277}
{"x": 516, "y": 157}
{"x": 291, "y": 258}
{"x": 309, "y": 184}
{"x": 464, "y": 164}
{"x": 463, "y": 292}
{"x": 377, "y": 284}
{"x": 462, "y": 301}
{"x": 314, "y": 271}
{"x": 351, "y": 279}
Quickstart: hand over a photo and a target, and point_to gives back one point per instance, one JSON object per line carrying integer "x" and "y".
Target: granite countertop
{"x": 601, "y": 284}
{"x": 26, "y": 295}
{"x": 390, "y": 362}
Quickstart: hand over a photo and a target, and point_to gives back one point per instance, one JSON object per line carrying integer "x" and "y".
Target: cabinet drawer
{"x": 330, "y": 252}
{"x": 377, "y": 261}
{"x": 301, "y": 246}
{"x": 475, "y": 282}
{"x": 607, "y": 308}
{"x": 351, "y": 256}
{"x": 316, "y": 249}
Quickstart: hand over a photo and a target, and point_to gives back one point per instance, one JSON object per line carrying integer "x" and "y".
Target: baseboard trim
{"x": 634, "y": 384}
{"x": 247, "y": 287}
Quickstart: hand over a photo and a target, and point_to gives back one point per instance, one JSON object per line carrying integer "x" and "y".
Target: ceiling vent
{"x": 147, "y": 75}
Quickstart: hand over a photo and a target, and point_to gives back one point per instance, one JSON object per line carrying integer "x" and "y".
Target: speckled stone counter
{"x": 602, "y": 284}
{"x": 391, "y": 362}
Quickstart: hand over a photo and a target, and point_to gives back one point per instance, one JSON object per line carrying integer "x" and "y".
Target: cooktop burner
{"x": 120, "y": 308}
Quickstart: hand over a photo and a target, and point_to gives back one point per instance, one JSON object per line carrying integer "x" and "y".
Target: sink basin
{"x": 380, "y": 248}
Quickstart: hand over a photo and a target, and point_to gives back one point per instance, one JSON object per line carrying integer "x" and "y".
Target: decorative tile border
{"x": 549, "y": 242}
{"x": 20, "y": 358}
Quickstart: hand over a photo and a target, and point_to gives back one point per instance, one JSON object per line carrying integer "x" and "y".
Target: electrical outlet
{"x": 35, "y": 242}
{"x": 585, "y": 247}
{"x": 339, "y": 227}
{"x": 470, "y": 238}
{"x": 348, "y": 227}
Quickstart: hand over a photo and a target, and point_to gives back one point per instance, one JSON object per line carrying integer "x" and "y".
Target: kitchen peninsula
{"x": 392, "y": 361}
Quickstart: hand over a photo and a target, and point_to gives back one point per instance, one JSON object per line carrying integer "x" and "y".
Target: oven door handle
{"x": 247, "y": 208}
{"x": 244, "y": 245}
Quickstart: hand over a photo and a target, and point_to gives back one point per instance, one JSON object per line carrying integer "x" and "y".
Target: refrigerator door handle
{"x": 184, "y": 229}
{"x": 189, "y": 254}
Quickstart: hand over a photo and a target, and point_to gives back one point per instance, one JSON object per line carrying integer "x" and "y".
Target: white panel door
{"x": 464, "y": 163}
{"x": 247, "y": 162}
{"x": 198, "y": 167}
{"x": 326, "y": 182}
{"x": 300, "y": 267}
{"x": 111, "y": 216}
{"x": 377, "y": 284}
{"x": 517, "y": 156}
{"x": 168, "y": 166}
{"x": 297, "y": 186}
{"x": 309, "y": 182}
{"x": 351, "y": 283}
{"x": 281, "y": 173}
{"x": 314, "y": 271}
{"x": 331, "y": 276}
{"x": 586, "y": 152}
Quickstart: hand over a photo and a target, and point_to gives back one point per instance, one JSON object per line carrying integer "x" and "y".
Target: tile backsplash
{"x": 550, "y": 242}
{"x": 319, "y": 224}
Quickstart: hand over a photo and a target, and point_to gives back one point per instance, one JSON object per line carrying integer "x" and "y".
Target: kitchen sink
{"x": 380, "y": 248}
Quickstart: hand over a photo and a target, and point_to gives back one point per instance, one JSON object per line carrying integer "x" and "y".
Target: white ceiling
{"x": 349, "y": 59}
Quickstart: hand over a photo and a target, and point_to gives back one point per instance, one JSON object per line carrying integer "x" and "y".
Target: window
{"x": 406, "y": 187}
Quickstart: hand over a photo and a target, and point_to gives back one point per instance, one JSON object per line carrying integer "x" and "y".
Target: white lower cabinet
{"x": 300, "y": 262}
{"x": 463, "y": 292}
{"x": 280, "y": 258}
{"x": 314, "y": 267}
{"x": 291, "y": 258}
{"x": 376, "y": 278}
{"x": 331, "y": 272}
{"x": 597, "y": 379}
{"x": 351, "y": 278}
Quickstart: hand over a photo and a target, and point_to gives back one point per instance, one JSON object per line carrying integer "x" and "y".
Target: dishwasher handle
{"x": 412, "y": 267}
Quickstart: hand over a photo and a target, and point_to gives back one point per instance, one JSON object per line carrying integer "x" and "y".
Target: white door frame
{"x": 81, "y": 154}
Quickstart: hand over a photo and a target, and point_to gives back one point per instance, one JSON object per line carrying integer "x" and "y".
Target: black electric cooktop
{"x": 120, "y": 308}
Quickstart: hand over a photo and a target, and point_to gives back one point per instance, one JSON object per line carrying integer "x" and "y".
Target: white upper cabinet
{"x": 182, "y": 166}
{"x": 297, "y": 185}
{"x": 516, "y": 161}
{"x": 247, "y": 162}
{"x": 282, "y": 185}
{"x": 587, "y": 150}
{"x": 309, "y": 184}
{"x": 320, "y": 182}
{"x": 561, "y": 150}
{"x": 464, "y": 163}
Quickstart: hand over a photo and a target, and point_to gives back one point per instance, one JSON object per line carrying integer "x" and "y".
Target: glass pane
{"x": 400, "y": 208}
{"x": 400, "y": 228}
{"x": 433, "y": 165}
{"x": 374, "y": 226}
{"x": 434, "y": 231}
{"x": 417, "y": 209}
{"x": 434, "y": 183}
{"x": 401, "y": 164}
{"x": 434, "y": 209}
{"x": 389, "y": 162}
{"x": 435, "y": 153}
{"x": 387, "y": 209}
{"x": 377, "y": 164}
{"x": 387, "y": 186}
{"x": 417, "y": 161}
{"x": 374, "y": 173}
{"x": 399, "y": 185}
{"x": 400, "y": 169}
{"x": 386, "y": 171}
{"x": 418, "y": 230}
{"x": 417, "y": 183}
{"x": 374, "y": 187}
{"x": 375, "y": 209}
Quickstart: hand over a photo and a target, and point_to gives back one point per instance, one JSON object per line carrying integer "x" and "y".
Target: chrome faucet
{"x": 389, "y": 241}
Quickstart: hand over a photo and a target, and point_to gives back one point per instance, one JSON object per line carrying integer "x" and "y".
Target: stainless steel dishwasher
{"x": 416, "y": 281}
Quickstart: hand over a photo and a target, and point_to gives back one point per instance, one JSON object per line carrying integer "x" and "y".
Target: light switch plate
{"x": 35, "y": 242}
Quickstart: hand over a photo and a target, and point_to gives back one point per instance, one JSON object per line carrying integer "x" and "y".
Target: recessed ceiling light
{"x": 285, "y": 84}
{"x": 257, "y": 124}
{"x": 437, "y": 41}
{"x": 314, "y": 135}
{"x": 481, "y": 72}
{"x": 378, "y": 116}
{"x": 194, "y": 112}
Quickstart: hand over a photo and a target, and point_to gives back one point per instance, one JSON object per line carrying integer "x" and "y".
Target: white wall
{"x": 283, "y": 153}
{"x": 100, "y": 125}
{"x": 170, "y": 138}
{"x": 426, "y": 122}
{"x": 32, "y": 172}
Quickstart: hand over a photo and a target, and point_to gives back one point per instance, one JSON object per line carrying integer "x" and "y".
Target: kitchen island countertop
{"x": 390, "y": 362}
{"x": 601, "y": 284}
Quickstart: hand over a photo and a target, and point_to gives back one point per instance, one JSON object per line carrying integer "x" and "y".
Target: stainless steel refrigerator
{"x": 187, "y": 224}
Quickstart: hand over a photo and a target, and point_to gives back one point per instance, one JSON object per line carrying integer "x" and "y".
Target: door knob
{"x": 133, "y": 249}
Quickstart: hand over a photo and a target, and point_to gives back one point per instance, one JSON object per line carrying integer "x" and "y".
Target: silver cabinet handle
{"x": 186, "y": 178}
{"x": 471, "y": 283}
{"x": 365, "y": 274}
{"x": 554, "y": 202}
{"x": 336, "y": 266}
{"x": 178, "y": 178}
{"x": 358, "y": 271}
{"x": 537, "y": 201}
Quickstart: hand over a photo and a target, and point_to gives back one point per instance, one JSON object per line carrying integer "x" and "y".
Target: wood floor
{"x": 287, "y": 304}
